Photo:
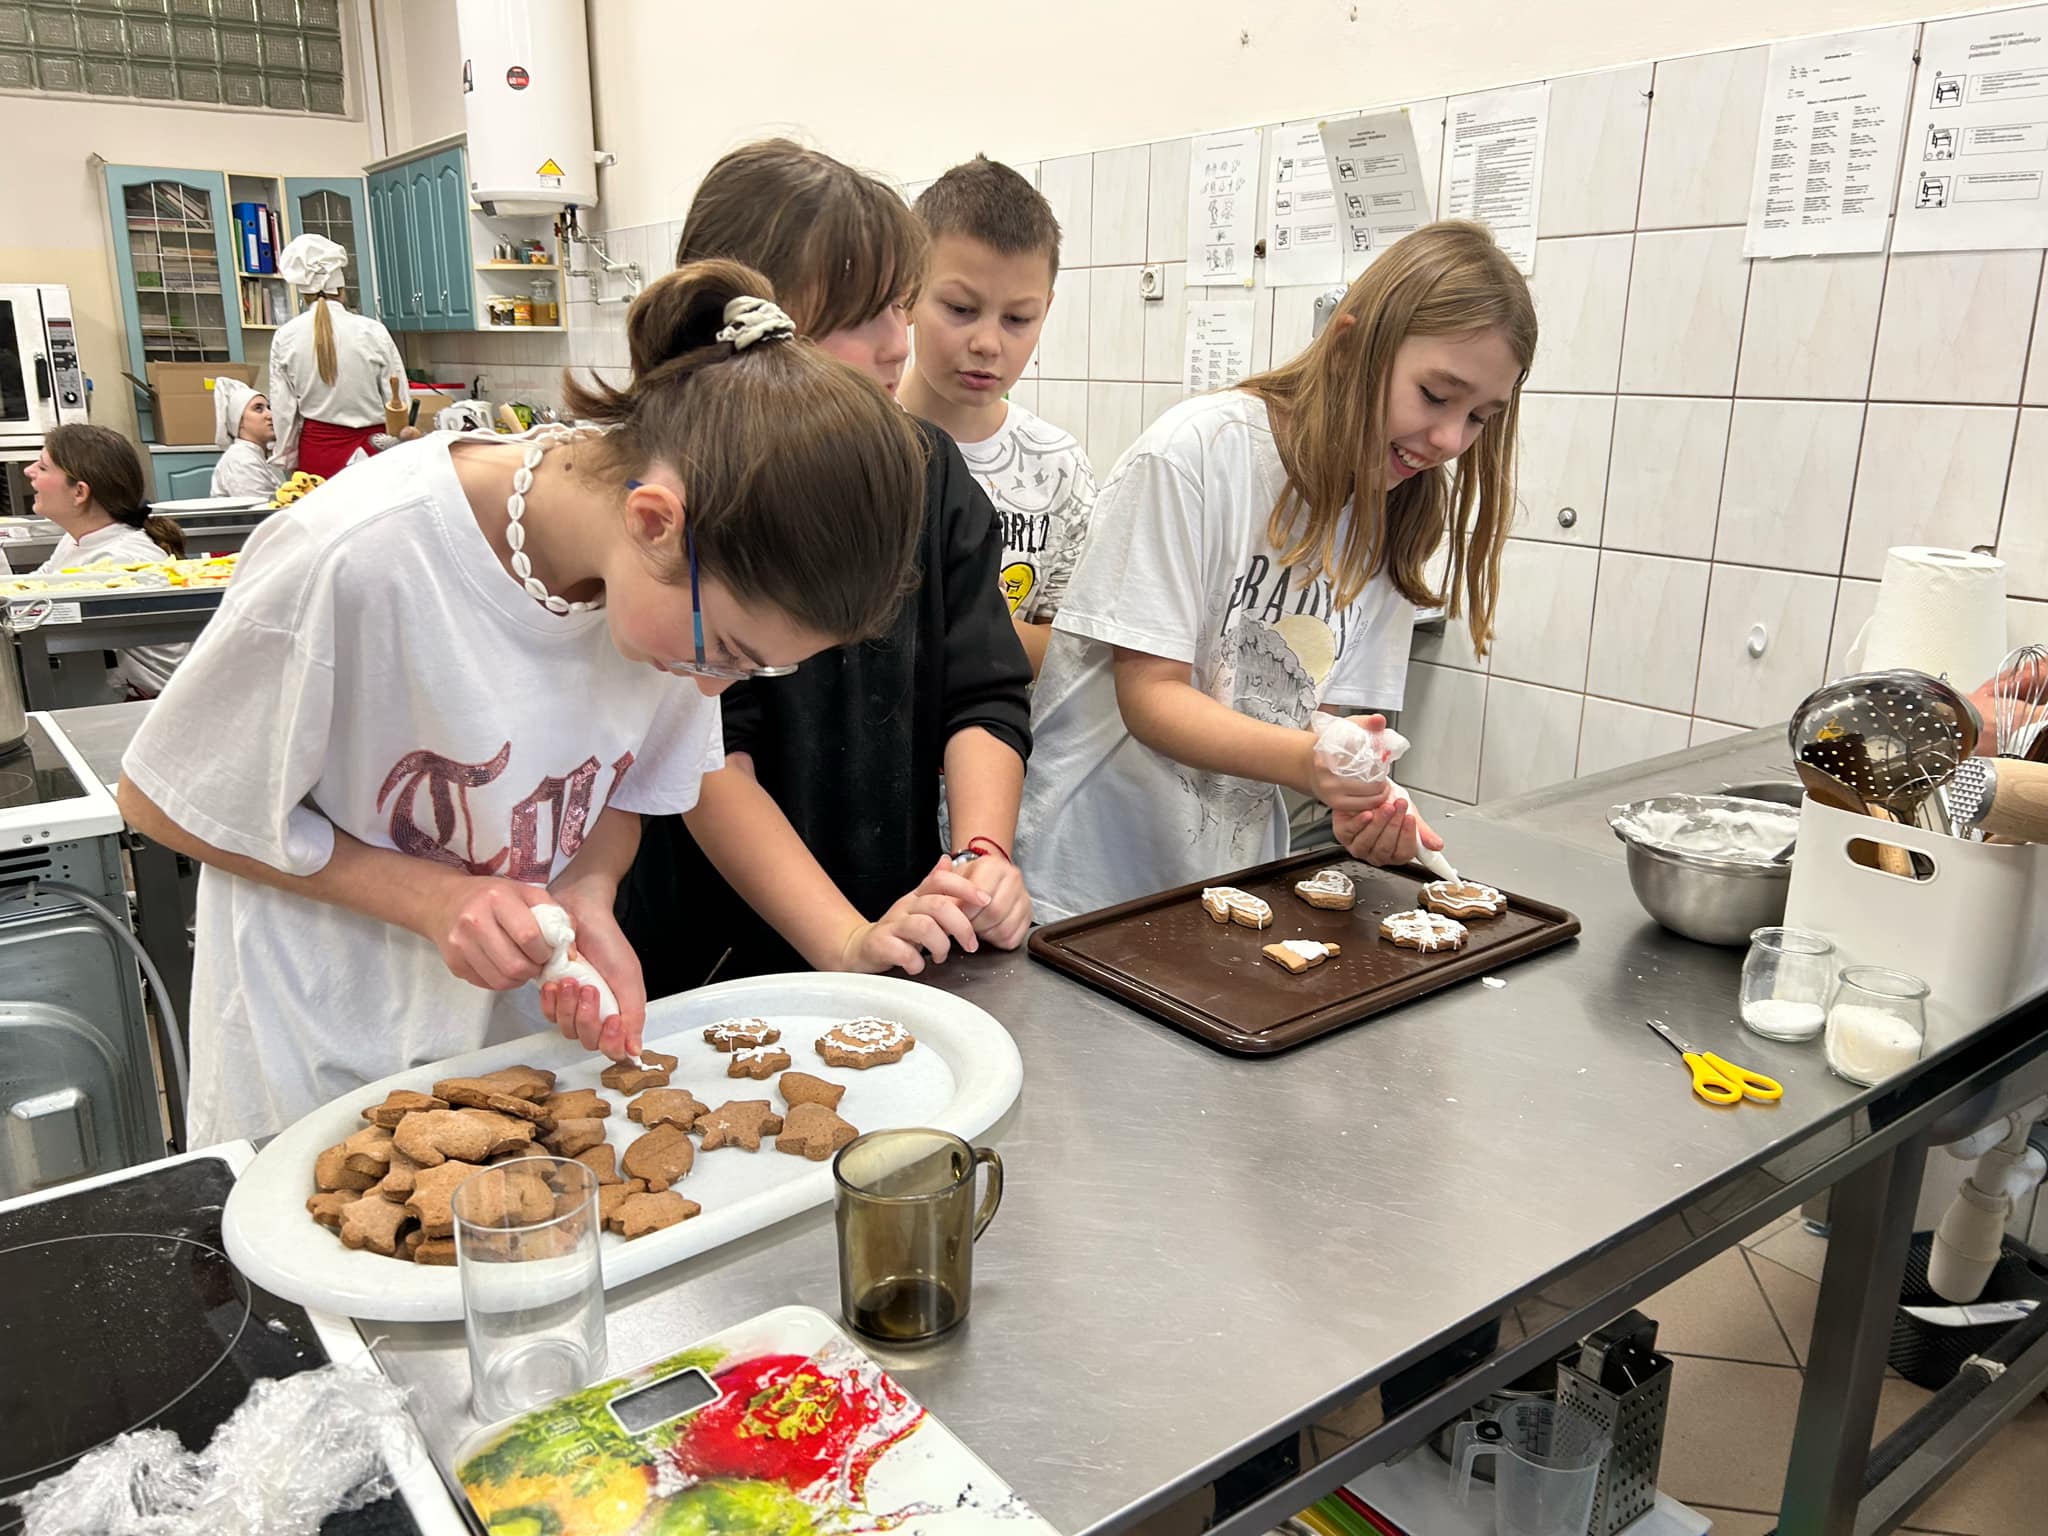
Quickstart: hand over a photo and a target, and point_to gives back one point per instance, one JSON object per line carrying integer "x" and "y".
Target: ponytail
{"x": 323, "y": 340}
{"x": 105, "y": 463}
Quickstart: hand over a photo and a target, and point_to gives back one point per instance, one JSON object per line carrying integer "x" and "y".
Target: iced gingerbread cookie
{"x": 1463, "y": 899}
{"x": 1227, "y": 904}
{"x": 864, "y": 1043}
{"x": 1330, "y": 889}
{"x": 738, "y": 1034}
{"x": 1426, "y": 931}
{"x": 1298, "y": 955}
{"x": 760, "y": 1062}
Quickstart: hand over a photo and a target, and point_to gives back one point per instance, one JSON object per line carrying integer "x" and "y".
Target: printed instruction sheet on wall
{"x": 1302, "y": 244}
{"x": 1223, "y": 207}
{"x": 1827, "y": 144}
{"x": 1376, "y": 173}
{"x": 1219, "y": 351}
{"x": 1976, "y": 174}
{"x": 1493, "y": 164}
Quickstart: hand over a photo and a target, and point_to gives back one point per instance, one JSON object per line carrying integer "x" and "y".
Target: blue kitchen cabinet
{"x": 182, "y": 476}
{"x": 419, "y": 217}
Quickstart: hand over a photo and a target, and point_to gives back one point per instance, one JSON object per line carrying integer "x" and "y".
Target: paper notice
{"x": 1828, "y": 141}
{"x": 1219, "y": 352}
{"x": 1223, "y": 197}
{"x": 1301, "y": 215}
{"x": 1493, "y": 164}
{"x": 1376, "y": 173}
{"x": 1976, "y": 175}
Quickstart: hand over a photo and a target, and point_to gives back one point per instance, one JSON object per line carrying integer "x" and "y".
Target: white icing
{"x": 1867, "y": 1044}
{"x": 1469, "y": 894}
{"x": 1235, "y": 901}
{"x": 1740, "y": 831}
{"x": 1327, "y": 882}
{"x": 559, "y": 934}
{"x": 1305, "y": 949}
{"x": 866, "y": 1037}
{"x": 1428, "y": 930}
{"x": 725, "y": 1031}
{"x": 756, "y": 1052}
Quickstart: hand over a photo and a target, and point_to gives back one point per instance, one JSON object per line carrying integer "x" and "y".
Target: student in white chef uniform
{"x": 330, "y": 370}
{"x": 242, "y": 425}
{"x": 445, "y": 688}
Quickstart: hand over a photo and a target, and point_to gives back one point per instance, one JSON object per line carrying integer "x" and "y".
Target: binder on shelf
{"x": 253, "y": 227}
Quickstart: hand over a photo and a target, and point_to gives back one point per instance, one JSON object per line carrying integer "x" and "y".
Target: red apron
{"x": 324, "y": 448}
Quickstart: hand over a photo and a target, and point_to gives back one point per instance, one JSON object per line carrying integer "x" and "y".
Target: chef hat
{"x": 231, "y": 397}
{"x": 312, "y": 263}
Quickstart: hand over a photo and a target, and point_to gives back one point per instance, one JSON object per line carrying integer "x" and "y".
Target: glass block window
{"x": 178, "y": 299}
{"x": 280, "y": 55}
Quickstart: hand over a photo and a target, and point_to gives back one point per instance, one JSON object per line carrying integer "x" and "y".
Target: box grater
{"x": 1633, "y": 1416}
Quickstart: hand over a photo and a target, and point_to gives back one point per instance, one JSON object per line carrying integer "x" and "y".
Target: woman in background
{"x": 330, "y": 371}
{"x": 242, "y": 425}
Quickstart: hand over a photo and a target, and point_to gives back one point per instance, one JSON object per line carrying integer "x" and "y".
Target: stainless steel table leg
{"x": 1871, "y": 1216}
{"x": 160, "y": 925}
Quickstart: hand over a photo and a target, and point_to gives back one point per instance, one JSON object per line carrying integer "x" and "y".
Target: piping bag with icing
{"x": 1348, "y": 748}
{"x": 559, "y": 933}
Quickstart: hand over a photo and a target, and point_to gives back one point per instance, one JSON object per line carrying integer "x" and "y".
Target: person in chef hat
{"x": 330, "y": 370}
{"x": 242, "y": 425}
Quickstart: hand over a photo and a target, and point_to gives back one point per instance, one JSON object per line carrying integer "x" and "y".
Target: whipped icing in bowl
{"x": 1719, "y": 829}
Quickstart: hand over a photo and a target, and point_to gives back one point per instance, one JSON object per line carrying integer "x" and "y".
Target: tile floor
{"x": 1739, "y": 1327}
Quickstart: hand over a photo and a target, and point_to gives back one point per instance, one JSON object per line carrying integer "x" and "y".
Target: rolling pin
{"x": 398, "y": 408}
{"x": 2005, "y": 796}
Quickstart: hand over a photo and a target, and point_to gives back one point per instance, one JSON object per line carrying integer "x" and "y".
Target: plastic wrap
{"x": 1351, "y": 750}
{"x": 300, "y": 1448}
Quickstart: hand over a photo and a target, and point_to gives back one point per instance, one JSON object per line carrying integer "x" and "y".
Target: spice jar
{"x": 545, "y": 311}
{"x": 522, "y": 309}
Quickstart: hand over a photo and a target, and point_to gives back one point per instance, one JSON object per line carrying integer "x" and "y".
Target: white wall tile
{"x": 1532, "y": 738}
{"x": 1615, "y": 735}
{"x": 1068, "y": 184}
{"x": 1442, "y": 715}
{"x": 1116, "y": 415}
{"x": 1166, "y": 329}
{"x": 1448, "y": 643}
{"x": 1581, "y": 293}
{"x": 1116, "y": 325}
{"x": 1545, "y": 613}
{"x": 1166, "y": 217}
{"x": 1560, "y": 463}
{"x": 2035, "y": 390}
{"x": 2026, "y": 623}
{"x": 1025, "y": 393}
{"x": 1950, "y": 329}
{"x": 1664, "y": 474}
{"x": 1063, "y": 343}
{"x": 1685, "y": 299}
{"x": 1646, "y": 629}
{"x": 1854, "y": 605}
{"x": 1593, "y": 151}
{"x": 1796, "y": 612}
{"x": 1294, "y": 320}
{"x": 1064, "y": 403}
{"x": 1702, "y": 145}
{"x": 1705, "y": 731}
{"x": 1785, "y": 493}
{"x": 1929, "y": 474}
{"x": 1121, "y": 197}
{"x": 1811, "y": 327}
{"x": 2023, "y": 533}
{"x": 1158, "y": 400}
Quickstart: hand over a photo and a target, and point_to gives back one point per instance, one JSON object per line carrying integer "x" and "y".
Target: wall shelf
{"x": 519, "y": 266}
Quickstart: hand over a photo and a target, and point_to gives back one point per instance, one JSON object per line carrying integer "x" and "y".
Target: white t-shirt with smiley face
{"x": 1043, "y": 490}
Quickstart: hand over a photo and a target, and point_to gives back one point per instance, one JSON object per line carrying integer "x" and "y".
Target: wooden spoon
{"x": 1832, "y": 792}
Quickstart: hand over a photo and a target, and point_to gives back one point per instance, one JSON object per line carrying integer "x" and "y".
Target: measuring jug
{"x": 1547, "y": 1462}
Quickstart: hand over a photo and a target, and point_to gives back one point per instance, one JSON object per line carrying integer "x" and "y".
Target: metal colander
{"x": 1893, "y": 737}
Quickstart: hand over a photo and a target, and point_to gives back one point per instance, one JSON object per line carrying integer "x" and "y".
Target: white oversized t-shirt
{"x": 1178, "y": 564}
{"x": 374, "y": 668}
{"x": 1039, "y": 482}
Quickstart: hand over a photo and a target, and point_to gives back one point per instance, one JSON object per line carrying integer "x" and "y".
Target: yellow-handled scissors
{"x": 1718, "y": 1080}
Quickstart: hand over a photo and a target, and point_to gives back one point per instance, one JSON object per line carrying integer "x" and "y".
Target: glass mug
{"x": 904, "y": 1206}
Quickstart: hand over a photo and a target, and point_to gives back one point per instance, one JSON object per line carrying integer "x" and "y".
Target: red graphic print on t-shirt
{"x": 449, "y": 833}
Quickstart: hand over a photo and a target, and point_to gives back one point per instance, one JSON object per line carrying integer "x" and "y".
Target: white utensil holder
{"x": 1975, "y": 928}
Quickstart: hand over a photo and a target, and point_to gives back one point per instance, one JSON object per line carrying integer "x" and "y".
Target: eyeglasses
{"x": 700, "y": 667}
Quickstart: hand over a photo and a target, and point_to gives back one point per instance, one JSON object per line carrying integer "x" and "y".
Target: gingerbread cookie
{"x": 369, "y": 1152}
{"x": 572, "y": 1136}
{"x": 1462, "y": 899}
{"x": 760, "y": 1062}
{"x": 1298, "y": 955}
{"x": 602, "y": 1160}
{"x": 577, "y": 1104}
{"x": 802, "y": 1088}
{"x": 475, "y": 1093}
{"x": 611, "y": 1196}
{"x": 658, "y": 1061}
{"x": 514, "y": 1198}
{"x": 732, "y": 1034}
{"x": 397, "y": 1182}
{"x": 370, "y": 1221}
{"x": 813, "y": 1131}
{"x": 434, "y": 1136}
{"x": 737, "y": 1123}
{"x": 864, "y": 1043}
{"x": 399, "y": 1103}
{"x": 327, "y": 1206}
{"x": 432, "y": 1190}
{"x": 434, "y": 1250}
{"x": 1426, "y": 931}
{"x": 638, "y": 1215}
{"x": 331, "y": 1171}
{"x": 666, "y": 1106}
{"x": 624, "y": 1077}
{"x": 1227, "y": 904}
{"x": 1330, "y": 889}
{"x": 534, "y": 1083}
{"x": 661, "y": 1157}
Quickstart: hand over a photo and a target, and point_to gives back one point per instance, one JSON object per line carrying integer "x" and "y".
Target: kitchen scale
{"x": 779, "y": 1424}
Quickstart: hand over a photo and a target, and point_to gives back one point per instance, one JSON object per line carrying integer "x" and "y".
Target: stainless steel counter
{"x": 1206, "y": 1269}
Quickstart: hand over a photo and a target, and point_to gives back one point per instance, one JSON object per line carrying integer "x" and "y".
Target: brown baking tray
{"x": 1163, "y": 955}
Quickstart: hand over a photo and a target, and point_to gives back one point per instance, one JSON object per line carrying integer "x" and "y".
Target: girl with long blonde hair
{"x": 1257, "y": 556}
{"x": 330, "y": 369}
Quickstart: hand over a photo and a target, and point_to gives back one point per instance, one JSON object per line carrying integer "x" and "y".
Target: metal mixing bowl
{"x": 1713, "y": 900}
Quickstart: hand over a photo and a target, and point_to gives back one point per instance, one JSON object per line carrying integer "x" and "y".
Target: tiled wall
{"x": 1715, "y": 453}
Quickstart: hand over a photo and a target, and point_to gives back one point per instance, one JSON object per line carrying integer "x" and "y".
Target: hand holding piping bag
{"x": 1365, "y": 748}
{"x": 558, "y": 931}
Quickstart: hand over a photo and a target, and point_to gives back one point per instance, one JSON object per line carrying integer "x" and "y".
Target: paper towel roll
{"x": 1940, "y": 611}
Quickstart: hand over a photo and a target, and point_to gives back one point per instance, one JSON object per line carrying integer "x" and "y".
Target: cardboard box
{"x": 181, "y": 398}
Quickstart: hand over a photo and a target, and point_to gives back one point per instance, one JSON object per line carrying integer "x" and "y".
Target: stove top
{"x": 47, "y": 794}
{"x": 122, "y": 1311}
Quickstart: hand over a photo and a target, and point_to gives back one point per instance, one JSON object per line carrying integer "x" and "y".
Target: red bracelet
{"x": 974, "y": 845}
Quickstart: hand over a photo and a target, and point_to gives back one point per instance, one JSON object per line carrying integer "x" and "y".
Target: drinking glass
{"x": 1877, "y": 1023}
{"x": 532, "y": 1289}
{"x": 1785, "y": 981}
{"x": 904, "y": 1205}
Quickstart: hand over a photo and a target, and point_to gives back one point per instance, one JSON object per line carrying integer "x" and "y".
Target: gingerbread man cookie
{"x": 1298, "y": 955}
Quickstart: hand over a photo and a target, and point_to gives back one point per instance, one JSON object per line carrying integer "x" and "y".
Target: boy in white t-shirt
{"x": 995, "y": 253}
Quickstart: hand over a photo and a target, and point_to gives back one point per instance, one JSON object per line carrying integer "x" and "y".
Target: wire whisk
{"x": 2019, "y": 695}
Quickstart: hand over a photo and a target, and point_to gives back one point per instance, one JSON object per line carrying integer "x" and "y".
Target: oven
{"x": 41, "y": 383}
